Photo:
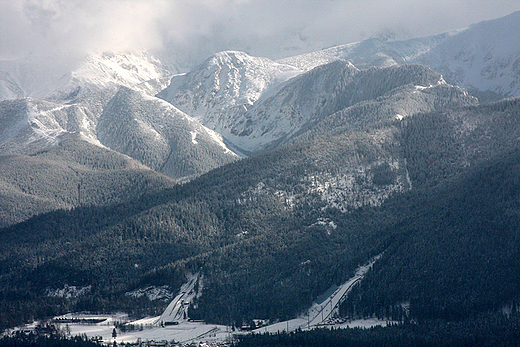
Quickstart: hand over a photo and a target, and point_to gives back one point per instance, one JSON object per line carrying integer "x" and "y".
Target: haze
{"x": 191, "y": 30}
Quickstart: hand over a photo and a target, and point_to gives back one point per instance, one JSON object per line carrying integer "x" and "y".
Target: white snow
{"x": 44, "y": 124}
{"x": 177, "y": 310}
{"x": 152, "y": 293}
{"x": 194, "y": 137}
{"x": 185, "y": 332}
{"x": 69, "y": 292}
{"x": 215, "y": 136}
{"x": 326, "y": 222}
{"x": 99, "y": 71}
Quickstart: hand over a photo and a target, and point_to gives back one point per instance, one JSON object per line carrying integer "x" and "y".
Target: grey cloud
{"x": 40, "y": 14}
{"x": 192, "y": 30}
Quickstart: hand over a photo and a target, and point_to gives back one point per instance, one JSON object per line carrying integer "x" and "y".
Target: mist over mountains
{"x": 292, "y": 173}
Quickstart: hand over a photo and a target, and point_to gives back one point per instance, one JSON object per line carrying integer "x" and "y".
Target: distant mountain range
{"x": 247, "y": 99}
{"x": 292, "y": 173}
{"x": 483, "y": 57}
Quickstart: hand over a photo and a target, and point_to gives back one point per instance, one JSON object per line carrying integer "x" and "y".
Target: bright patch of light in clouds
{"x": 81, "y": 25}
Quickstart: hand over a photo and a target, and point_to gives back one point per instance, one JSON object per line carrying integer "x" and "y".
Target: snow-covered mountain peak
{"x": 124, "y": 68}
{"x": 227, "y": 79}
{"x": 485, "y": 56}
{"x": 138, "y": 70}
{"x": 234, "y": 57}
{"x": 220, "y": 91}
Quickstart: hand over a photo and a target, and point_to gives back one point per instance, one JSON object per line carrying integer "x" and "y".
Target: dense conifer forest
{"x": 495, "y": 330}
{"x": 253, "y": 229}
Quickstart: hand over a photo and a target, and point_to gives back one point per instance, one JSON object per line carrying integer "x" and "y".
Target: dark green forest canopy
{"x": 492, "y": 330}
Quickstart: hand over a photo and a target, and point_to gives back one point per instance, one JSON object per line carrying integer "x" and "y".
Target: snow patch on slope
{"x": 194, "y": 137}
{"x": 69, "y": 292}
{"x": 287, "y": 199}
{"x": 153, "y": 293}
{"x": 356, "y": 187}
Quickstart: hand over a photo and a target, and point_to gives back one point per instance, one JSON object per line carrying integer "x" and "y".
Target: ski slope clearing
{"x": 325, "y": 308}
{"x": 177, "y": 310}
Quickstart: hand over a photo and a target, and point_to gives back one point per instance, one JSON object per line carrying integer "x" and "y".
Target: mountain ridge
{"x": 160, "y": 136}
{"x": 289, "y": 108}
{"x": 482, "y": 56}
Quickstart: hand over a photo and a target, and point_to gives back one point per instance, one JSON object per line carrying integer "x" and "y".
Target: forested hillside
{"x": 160, "y": 136}
{"x": 454, "y": 252}
{"x": 245, "y": 203}
{"x": 72, "y": 174}
{"x": 271, "y": 232}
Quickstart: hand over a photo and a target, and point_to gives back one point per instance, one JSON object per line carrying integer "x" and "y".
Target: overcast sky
{"x": 194, "y": 29}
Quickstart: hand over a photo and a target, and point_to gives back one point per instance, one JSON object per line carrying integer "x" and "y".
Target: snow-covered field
{"x": 148, "y": 330}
